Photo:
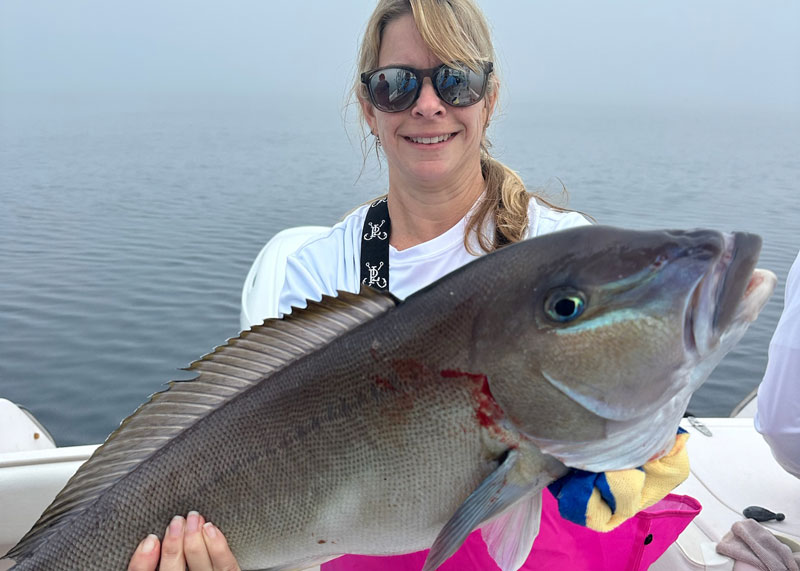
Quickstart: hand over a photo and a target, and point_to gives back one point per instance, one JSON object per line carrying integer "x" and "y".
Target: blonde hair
{"x": 457, "y": 31}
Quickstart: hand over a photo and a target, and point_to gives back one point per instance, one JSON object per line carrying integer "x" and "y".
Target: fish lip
{"x": 697, "y": 333}
{"x": 738, "y": 274}
{"x": 717, "y": 300}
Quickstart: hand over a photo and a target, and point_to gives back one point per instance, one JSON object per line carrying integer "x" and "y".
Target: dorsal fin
{"x": 224, "y": 373}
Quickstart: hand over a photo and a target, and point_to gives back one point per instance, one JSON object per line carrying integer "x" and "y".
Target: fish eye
{"x": 564, "y": 305}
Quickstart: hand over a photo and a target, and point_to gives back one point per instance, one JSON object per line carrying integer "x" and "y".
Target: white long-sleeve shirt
{"x": 778, "y": 414}
{"x": 305, "y": 263}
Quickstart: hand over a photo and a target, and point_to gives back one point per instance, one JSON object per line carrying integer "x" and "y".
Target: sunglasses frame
{"x": 421, "y": 74}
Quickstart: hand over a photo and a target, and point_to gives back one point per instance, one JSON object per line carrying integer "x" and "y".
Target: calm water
{"x": 125, "y": 234}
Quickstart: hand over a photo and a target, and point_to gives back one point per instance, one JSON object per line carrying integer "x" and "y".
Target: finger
{"x": 194, "y": 547}
{"x": 222, "y": 558}
{"x": 172, "y": 547}
{"x": 145, "y": 558}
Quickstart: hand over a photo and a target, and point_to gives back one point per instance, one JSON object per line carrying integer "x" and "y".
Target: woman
{"x": 446, "y": 194}
{"x": 448, "y": 202}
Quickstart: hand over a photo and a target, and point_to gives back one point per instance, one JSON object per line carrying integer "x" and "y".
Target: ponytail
{"x": 506, "y": 205}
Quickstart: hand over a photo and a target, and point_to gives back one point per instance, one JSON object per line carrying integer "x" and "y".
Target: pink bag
{"x": 561, "y": 544}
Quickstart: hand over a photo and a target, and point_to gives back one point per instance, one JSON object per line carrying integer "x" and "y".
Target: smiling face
{"x": 431, "y": 143}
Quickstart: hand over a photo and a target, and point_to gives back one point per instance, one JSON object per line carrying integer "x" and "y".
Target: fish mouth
{"x": 730, "y": 294}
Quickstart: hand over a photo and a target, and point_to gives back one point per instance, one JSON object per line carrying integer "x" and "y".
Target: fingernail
{"x": 149, "y": 543}
{"x": 210, "y": 530}
{"x": 192, "y": 521}
{"x": 176, "y": 526}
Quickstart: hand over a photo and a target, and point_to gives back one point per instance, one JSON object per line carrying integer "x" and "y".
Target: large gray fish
{"x": 362, "y": 425}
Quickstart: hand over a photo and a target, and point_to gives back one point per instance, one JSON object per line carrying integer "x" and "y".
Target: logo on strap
{"x": 375, "y": 231}
{"x": 373, "y": 279}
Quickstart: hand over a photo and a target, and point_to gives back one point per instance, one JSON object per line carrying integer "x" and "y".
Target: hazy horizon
{"x": 713, "y": 54}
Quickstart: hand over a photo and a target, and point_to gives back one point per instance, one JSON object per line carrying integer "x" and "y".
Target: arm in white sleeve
{"x": 267, "y": 275}
{"x": 303, "y": 263}
{"x": 324, "y": 265}
{"x": 778, "y": 414}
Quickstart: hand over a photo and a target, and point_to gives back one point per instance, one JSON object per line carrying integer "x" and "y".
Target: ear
{"x": 369, "y": 114}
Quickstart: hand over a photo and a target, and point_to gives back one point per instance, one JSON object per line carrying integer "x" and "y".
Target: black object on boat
{"x": 762, "y": 514}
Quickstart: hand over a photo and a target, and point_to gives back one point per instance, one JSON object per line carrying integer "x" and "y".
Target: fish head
{"x": 612, "y": 330}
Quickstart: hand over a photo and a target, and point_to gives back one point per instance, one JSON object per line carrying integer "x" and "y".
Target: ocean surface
{"x": 126, "y": 230}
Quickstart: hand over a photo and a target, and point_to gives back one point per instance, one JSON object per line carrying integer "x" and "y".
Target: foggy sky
{"x": 703, "y": 52}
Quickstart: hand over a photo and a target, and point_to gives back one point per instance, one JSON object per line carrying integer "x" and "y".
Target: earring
{"x": 378, "y": 140}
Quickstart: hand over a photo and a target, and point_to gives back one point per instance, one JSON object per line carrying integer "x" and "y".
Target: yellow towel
{"x": 602, "y": 501}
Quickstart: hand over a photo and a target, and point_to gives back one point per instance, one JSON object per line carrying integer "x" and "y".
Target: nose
{"x": 428, "y": 103}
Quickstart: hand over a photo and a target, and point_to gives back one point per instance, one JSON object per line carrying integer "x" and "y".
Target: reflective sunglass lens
{"x": 393, "y": 89}
{"x": 459, "y": 87}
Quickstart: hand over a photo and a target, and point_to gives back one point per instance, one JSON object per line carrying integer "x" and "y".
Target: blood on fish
{"x": 394, "y": 391}
{"x": 410, "y": 369}
{"x": 384, "y": 383}
{"x": 487, "y": 411}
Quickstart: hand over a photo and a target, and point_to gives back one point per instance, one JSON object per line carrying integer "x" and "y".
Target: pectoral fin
{"x": 510, "y": 536}
{"x": 522, "y": 474}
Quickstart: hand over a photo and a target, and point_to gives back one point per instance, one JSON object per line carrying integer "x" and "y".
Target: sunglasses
{"x": 395, "y": 88}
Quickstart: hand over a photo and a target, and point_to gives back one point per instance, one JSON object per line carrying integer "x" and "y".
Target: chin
{"x": 432, "y": 172}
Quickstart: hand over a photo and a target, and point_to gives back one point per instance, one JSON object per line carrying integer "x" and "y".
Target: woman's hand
{"x": 189, "y": 543}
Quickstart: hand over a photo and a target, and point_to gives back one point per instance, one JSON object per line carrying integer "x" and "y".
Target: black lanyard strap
{"x": 375, "y": 246}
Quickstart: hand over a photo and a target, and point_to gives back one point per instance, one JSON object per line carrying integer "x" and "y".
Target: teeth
{"x": 429, "y": 140}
